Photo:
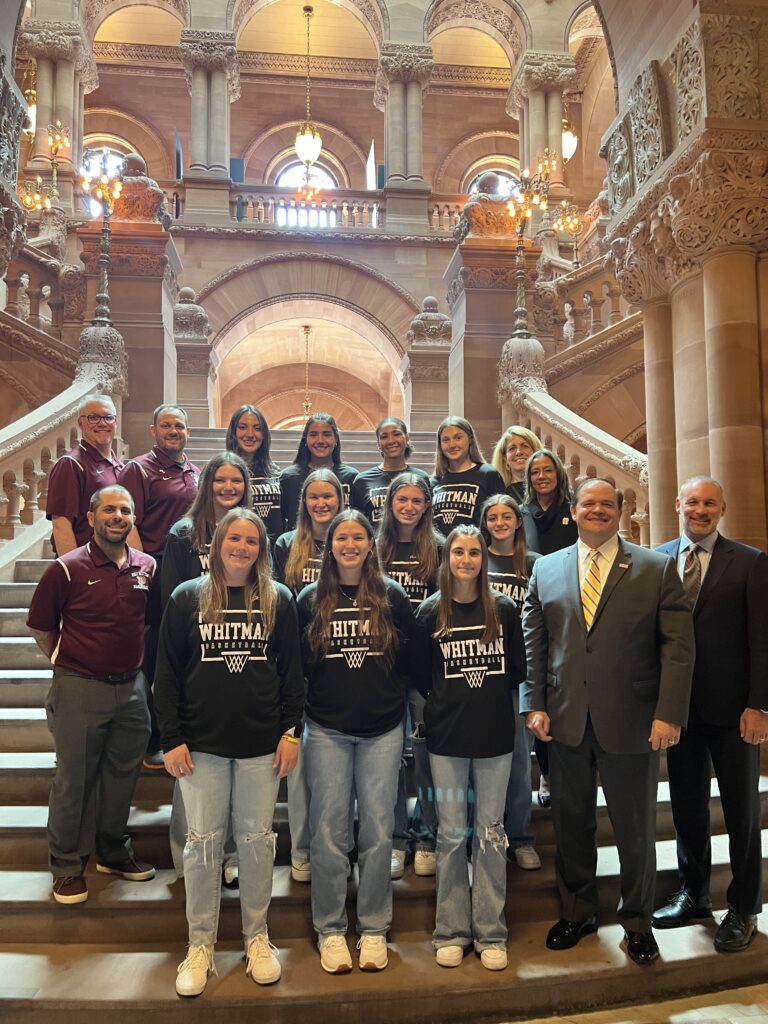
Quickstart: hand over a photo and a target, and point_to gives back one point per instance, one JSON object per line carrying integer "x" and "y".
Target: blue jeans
{"x": 298, "y": 809}
{"x": 421, "y": 831}
{"x": 249, "y": 787}
{"x": 517, "y": 814}
{"x": 336, "y": 762}
{"x": 463, "y": 917}
{"x": 178, "y": 833}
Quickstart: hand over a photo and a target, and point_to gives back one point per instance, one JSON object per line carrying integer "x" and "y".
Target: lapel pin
{"x": 623, "y": 565}
{"x": 566, "y": 520}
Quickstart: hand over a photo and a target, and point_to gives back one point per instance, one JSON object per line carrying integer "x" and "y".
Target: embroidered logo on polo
{"x": 233, "y": 641}
{"x": 415, "y": 588}
{"x": 265, "y": 496}
{"x": 453, "y": 502}
{"x": 350, "y": 638}
{"x": 141, "y": 579}
{"x": 466, "y": 657}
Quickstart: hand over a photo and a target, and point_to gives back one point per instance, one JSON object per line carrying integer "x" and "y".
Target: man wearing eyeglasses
{"x": 86, "y": 468}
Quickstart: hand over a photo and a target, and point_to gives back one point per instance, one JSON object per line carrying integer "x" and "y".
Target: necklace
{"x": 349, "y": 597}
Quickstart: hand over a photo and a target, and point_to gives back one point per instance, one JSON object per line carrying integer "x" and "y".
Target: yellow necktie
{"x": 590, "y": 589}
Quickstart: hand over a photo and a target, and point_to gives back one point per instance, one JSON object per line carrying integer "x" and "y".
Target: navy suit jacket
{"x": 730, "y": 620}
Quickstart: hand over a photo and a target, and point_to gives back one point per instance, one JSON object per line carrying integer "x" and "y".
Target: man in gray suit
{"x": 609, "y": 641}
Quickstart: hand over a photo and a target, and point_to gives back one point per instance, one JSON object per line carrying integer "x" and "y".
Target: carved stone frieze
{"x": 477, "y": 11}
{"x": 103, "y": 358}
{"x": 641, "y": 273}
{"x": 12, "y": 227}
{"x": 541, "y": 70}
{"x": 650, "y": 144}
{"x": 521, "y": 369}
{"x": 732, "y": 56}
{"x": 194, "y": 363}
{"x": 686, "y": 70}
{"x": 617, "y": 153}
{"x": 430, "y": 327}
{"x": 136, "y": 261}
{"x": 190, "y": 321}
{"x": 32, "y": 399}
{"x": 419, "y": 371}
{"x": 27, "y": 341}
{"x": 213, "y": 51}
{"x": 401, "y": 62}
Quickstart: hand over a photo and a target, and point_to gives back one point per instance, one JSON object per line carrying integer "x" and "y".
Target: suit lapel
{"x": 573, "y": 583}
{"x": 722, "y": 553}
{"x": 622, "y": 565}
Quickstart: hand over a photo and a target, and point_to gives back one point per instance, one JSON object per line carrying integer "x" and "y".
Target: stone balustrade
{"x": 587, "y": 300}
{"x": 33, "y": 290}
{"x": 275, "y": 207}
{"x": 444, "y": 212}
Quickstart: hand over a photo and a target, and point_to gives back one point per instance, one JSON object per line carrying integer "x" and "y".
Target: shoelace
{"x": 259, "y": 948}
{"x": 335, "y": 942}
{"x": 197, "y": 958}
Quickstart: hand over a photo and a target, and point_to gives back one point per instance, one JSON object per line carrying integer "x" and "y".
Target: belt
{"x": 112, "y": 677}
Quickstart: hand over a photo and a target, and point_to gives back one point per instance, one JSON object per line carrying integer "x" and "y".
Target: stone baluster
{"x": 13, "y": 285}
{"x": 31, "y": 512}
{"x": 14, "y": 491}
{"x": 614, "y": 295}
{"x": 46, "y": 465}
{"x": 625, "y": 519}
{"x": 35, "y": 295}
{"x": 643, "y": 521}
{"x": 595, "y": 303}
{"x": 213, "y": 79}
{"x": 579, "y": 311}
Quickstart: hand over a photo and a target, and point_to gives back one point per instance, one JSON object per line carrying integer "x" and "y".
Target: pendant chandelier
{"x": 308, "y": 143}
{"x": 306, "y": 405}
{"x": 570, "y": 140}
{"x": 29, "y": 89}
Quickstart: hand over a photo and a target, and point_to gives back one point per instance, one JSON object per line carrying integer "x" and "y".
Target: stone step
{"x": 13, "y": 621}
{"x": 16, "y": 595}
{"x": 24, "y": 689}
{"x": 24, "y": 729}
{"x": 21, "y": 652}
{"x": 26, "y": 777}
{"x": 80, "y": 983}
{"x": 29, "y": 570}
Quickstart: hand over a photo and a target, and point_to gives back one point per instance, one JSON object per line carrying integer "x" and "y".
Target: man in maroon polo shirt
{"x": 90, "y": 465}
{"x": 87, "y": 615}
{"x": 163, "y": 485}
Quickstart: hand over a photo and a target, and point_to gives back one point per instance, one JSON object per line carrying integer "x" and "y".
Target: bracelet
{"x": 291, "y": 739}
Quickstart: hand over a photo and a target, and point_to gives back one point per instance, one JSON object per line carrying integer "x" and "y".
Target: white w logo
{"x": 474, "y": 676}
{"x": 262, "y": 509}
{"x": 354, "y": 657}
{"x": 235, "y": 662}
{"x": 448, "y": 515}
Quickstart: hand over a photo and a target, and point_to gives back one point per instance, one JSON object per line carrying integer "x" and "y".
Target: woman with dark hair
{"x": 297, "y": 557}
{"x": 249, "y": 437}
{"x": 409, "y": 550}
{"x": 463, "y": 479}
{"x": 509, "y": 569}
{"x": 548, "y": 527}
{"x": 471, "y": 659}
{"x": 370, "y": 487}
{"x": 513, "y": 449}
{"x": 229, "y": 694}
{"x": 319, "y": 448}
{"x": 355, "y": 625}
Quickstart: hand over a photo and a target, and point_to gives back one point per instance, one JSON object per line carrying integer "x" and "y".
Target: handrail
{"x": 339, "y": 209}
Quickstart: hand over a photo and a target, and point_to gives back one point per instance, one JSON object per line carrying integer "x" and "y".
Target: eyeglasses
{"x": 94, "y": 418}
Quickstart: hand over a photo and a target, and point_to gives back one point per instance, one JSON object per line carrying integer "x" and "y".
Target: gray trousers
{"x": 100, "y": 733}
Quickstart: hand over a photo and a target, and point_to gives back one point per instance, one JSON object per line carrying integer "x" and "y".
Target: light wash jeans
{"x": 463, "y": 917}
{"x": 336, "y": 762}
{"x": 249, "y": 786}
{"x": 178, "y": 833}
{"x": 517, "y": 814}
{"x": 298, "y": 809}
{"x": 421, "y": 832}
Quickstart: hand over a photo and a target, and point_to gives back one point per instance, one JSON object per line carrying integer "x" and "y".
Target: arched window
{"x": 312, "y": 216}
{"x": 507, "y": 183}
{"x": 293, "y": 177}
{"x": 92, "y": 162}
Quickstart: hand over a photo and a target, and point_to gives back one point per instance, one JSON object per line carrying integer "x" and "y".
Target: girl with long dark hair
{"x": 462, "y": 479}
{"x": 248, "y": 436}
{"x": 319, "y": 448}
{"x": 369, "y": 490}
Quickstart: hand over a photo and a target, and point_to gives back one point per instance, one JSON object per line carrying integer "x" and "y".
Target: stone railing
{"x": 339, "y": 210}
{"x": 444, "y": 212}
{"x": 33, "y": 289}
{"x": 587, "y": 300}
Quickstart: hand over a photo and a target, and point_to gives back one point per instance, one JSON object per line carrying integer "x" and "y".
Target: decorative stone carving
{"x": 141, "y": 199}
{"x": 732, "y": 55}
{"x": 647, "y": 123}
{"x": 73, "y": 289}
{"x": 374, "y": 15}
{"x": 197, "y": 364}
{"x": 617, "y": 153}
{"x": 12, "y": 228}
{"x": 190, "y": 321}
{"x": 641, "y": 274}
{"x": 52, "y": 40}
{"x": 103, "y": 358}
{"x": 617, "y": 340}
{"x": 419, "y": 371}
{"x": 95, "y": 11}
{"x": 430, "y": 327}
{"x": 53, "y": 230}
{"x": 136, "y": 261}
{"x": 541, "y": 70}
{"x": 401, "y": 62}
{"x": 521, "y": 369}
{"x": 47, "y": 350}
{"x": 686, "y": 69}
{"x": 12, "y": 118}
{"x": 214, "y": 51}
{"x": 477, "y": 11}
{"x": 485, "y": 214}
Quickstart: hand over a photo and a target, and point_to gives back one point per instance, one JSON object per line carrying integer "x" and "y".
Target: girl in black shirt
{"x": 370, "y": 488}
{"x": 471, "y": 659}
{"x": 356, "y": 625}
{"x": 319, "y": 448}
{"x": 463, "y": 479}
{"x": 249, "y": 437}
{"x": 229, "y": 694}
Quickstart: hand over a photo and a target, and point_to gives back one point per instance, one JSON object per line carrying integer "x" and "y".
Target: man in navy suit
{"x": 609, "y": 640}
{"x": 728, "y": 589}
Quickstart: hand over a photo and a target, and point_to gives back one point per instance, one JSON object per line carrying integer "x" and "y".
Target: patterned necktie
{"x": 590, "y": 588}
{"x": 692, "y": 574}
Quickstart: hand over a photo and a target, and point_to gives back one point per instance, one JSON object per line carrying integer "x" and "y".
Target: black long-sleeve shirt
{"x": 502, "y": 576}
{"x": 401, "y": 569}
{"x": 180, "y": 560}
{"x": 223, "y": 688}
{"x": 369, "y": 491}
{"x": 458, "y": 497}
{"x": 281, "y": 554}
{"x": 291, "y": 481}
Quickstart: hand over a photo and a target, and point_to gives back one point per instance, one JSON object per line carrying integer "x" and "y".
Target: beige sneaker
{"x": 494, "y": 958}
{"x": 449, "y": 956}
{"x": 262, "y": 962}
{"x": 334, "y": 954}
{"x": 425, "y": 863}
{"x": 373, "y": 953}
{"x": 192, "y": 973}
{"x": 397, "y": 864}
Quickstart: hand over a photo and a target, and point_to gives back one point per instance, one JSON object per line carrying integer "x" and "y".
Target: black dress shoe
{"x": 735, "y": 933}
{"x": 641, "y": 947}
{"x": 566, "y": 934}
{"x": 680, "y": 909}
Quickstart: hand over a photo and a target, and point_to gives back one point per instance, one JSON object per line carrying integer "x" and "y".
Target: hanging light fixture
{"x": 570, "y": 140}
{"x": 308, "y": 143}
{"x": 29, "y": 89}
{"x": 306, "y": 405}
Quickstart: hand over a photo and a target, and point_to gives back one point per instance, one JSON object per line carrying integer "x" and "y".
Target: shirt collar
{"x": 100, "y": 559}
{"x": 95, "y": 454}
{"x": 707, "y": 544}
{"x": 167, "y": 462}
{"x": 608, "y": 550}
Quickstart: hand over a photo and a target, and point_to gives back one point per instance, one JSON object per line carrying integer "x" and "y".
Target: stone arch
{"x": 141, "y": 135}
{"x": 606, "y": 35}
{"x": 505, "y": 21}
{"x": 465, "y": 159}
{"x": 372, "y": 14}
{"x": 268, "y": 152}
{"x": 94, "y": 12}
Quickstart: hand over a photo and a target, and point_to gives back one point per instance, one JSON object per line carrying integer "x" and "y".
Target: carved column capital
{"x": 54, "y": 40}
{"x": 213, "y": 51}
{"x": 541, "y": 70}
{"x": 402, "y": 62}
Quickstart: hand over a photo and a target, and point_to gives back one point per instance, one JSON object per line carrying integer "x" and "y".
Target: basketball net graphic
{"x": 474, "y": 676}
{"x": 448, "y": 515}
{"x": 353, "y": 656}
{"x": 262, "y": 509}
{"x": 235, "y": 661}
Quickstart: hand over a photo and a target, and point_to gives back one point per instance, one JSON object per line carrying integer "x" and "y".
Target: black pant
{"x": 737, "y": 767}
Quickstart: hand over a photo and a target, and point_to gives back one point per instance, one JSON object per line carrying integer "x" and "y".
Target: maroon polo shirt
{"x": 97, "y": 609}
{"x": 162, "y": 490}
{"x": 75, "y": 476}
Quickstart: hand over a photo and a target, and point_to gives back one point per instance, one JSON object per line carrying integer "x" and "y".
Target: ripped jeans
{"x": 249, "y": 786}
{"x": 465, "y": 917}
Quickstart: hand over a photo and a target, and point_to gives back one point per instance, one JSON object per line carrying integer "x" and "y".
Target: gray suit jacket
{"x": 633, "y": 666}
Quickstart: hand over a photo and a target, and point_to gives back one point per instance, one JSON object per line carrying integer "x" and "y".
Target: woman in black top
{"x": 319, "y": 448}
{"x": 369, "y": 490}
{"x": 548, "y": 527}
{"x": 513, "y": 449}
{"x": 355, "y": 625}
{"x": 509, "y": 569}
{"x": 248, "y": 436}
{"x": 471, "y": 659}
{"x": 410, "y": 549}
{"x": 463, "y": 479}
{"x": 229, "y": 694}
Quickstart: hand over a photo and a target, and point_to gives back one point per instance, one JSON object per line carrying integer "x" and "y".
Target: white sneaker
{"x": 397, "y": 864}
{"x": 192, "y": 973}
{"x": 334, "y": 954}
{"x": 373, "y": 953}
{"x": 301, "y": 870}
{"x": 262, "y": 963}
{"x": 527, "y": 858}
{"x": 449, "y": 956}
{"x": 424, "y": 863}
{"x": 231, "y": 874}
{"x": 494, "y": 958}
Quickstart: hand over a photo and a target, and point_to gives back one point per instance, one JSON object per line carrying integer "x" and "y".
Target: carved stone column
{"x": 191, "y": 335}
{"x": 402, "y": 79}
{"x": 426, "y": 378}
{"x": 539, "y": 83}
